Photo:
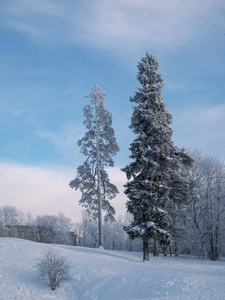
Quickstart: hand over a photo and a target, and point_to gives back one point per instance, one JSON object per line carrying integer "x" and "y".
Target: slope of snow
{"x": 106, "y": 275}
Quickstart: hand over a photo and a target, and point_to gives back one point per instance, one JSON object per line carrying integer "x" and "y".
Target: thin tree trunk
{"x": 155, "y": 248}
{"x": 130, "y": 245}
{"x": 145, "y": 251}
{"x": 164, "y": 250}
{"x": 175, "y": 248}
{"x": 98, "y": 179}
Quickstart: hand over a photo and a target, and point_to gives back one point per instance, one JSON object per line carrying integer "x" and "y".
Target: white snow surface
{"x": 106, "y": 274}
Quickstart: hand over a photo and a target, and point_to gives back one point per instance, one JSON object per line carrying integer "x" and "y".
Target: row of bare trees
{"x": 114, "y": 236}
{"x": 45, "y": 229}
{"x": 207, "y": 206}
{"x": 198, "y": 223}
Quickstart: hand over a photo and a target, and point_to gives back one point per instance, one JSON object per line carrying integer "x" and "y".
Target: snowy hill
{"x": 105, "y": 275}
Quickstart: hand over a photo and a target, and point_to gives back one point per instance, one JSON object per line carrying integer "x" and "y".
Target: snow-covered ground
{"x": 106, "y": 275}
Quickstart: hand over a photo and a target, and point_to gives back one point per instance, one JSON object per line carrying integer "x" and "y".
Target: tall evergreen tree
{"x": 153, "y": 155}
{"x": 99, "y": 146}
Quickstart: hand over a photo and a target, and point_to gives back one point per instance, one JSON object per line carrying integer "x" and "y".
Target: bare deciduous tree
{"x": 208, "y": 205}
{"x": 9, "y": 215}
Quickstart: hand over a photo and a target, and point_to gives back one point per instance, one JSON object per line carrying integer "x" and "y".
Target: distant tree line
{"x": 45, "y": 229}
{"x": 197, "y": 224}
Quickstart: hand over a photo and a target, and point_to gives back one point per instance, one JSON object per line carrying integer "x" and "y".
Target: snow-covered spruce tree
{"x": 99, "y": 146}
{"x": 153, "y": 155}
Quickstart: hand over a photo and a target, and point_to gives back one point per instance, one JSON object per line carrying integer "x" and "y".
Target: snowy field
{"x": 106, "y": 274}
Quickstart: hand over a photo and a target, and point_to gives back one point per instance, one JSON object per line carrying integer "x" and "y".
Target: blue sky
{"x": 53, "y": 52}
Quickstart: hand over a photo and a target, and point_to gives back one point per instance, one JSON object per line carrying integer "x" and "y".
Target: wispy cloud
{"x": 8, "y": 108}
{"x": 43, "y": 21}
{"x": 66, "y": 139}
{"x": 125, "y": 25}
{"x": 38, "y": 190}
{"x": 186, "y": 87}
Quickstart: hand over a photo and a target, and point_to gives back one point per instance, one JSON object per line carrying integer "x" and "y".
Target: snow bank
{"x": 106, "y": 275}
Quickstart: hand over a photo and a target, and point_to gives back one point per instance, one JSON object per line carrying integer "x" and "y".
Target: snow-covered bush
{"x": 53, "y": 268}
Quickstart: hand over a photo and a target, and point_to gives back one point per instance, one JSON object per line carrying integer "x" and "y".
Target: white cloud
{"x": 126, "y": 25}
{"x": 38, "y": 190}
{"x": 42, "y": 190}
{"x": 131, "y": 25}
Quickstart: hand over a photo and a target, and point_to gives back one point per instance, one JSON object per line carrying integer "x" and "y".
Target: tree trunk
{"x": 130, "y": 244}
{"x": 98, "y": 179}
{"x": 164, "y": 248}
{"x": 170, "y": 249}
{"x": 145, "y": 251}
{"x": 155, "y": 248}
{"x": 175, "y": 248}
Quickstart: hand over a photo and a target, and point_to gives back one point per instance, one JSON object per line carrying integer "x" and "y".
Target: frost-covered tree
{"x": 99, "y": 146}
{"x": 53, "y": 229}
{"x": 207, "y": 195}
{"x": 153, "y": 155}
{"x": 87, "y": 231}
{"x": 178, "y": 204}
{"x": 114, "y": 235}
{"x": 9, "y": 215}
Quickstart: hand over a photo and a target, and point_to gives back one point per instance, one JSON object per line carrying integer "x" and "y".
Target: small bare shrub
{"x": 53, "y": 268}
